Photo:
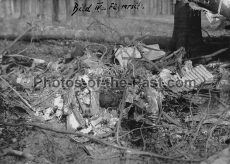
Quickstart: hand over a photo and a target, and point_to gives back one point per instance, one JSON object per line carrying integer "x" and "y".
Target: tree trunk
{"x": 68, "y": 11}
{"x": 41, "y": 10}
{"x": 118, "y": 12}
{"x": 55, "y": 10}
{"x": 134, "y": 11}
{"x": 154, "y": 6}
{"x": 85, "y": 2}
{"x": 12, "y": 6}
{"x": 7, "y": 8}
{"x": 3, "y": 7}
{"x": 158, "y": 8}
{"x": 187, "y": 30}
{"x": 30, "y": 7}
{"x": 149, "y": 7}
{"x": 97, "y": 2}
{"x": 107, "y": 8}
{"x": 22, "y": 9}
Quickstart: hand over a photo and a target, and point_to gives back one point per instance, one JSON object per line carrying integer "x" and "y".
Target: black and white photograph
{"x": 114, "y": 81}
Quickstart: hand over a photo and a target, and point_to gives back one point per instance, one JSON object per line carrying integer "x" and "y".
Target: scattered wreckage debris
{"x": 145, "y": 89}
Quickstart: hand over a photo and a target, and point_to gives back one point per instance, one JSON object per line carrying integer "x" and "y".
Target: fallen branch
{"x": 17, "y": 153}
{"x": 143, "y": 139}
{"x": 17, "y": 55}
{"x": 128, "y": 150}
{"x": 210, "y": 55}
{"x": 171, "y": 119}
{"x": 17, "y": 39}
{"x": 29, "y": 112}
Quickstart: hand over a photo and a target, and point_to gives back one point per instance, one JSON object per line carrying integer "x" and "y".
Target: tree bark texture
{"x": 55, "y": 10}
{"x": 68, "y": 11}
{"x": 23, "y": 9}
{"x": 187, "y": 30}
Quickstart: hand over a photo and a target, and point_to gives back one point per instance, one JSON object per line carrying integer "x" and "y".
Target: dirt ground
{"x": 157, "y": 26}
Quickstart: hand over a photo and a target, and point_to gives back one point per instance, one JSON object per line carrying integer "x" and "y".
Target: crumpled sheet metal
{"x": 72, "y": 122}
{"x": 152, "y": 52}
{"x": 124, "y": 53}
{"x": 200, "y": 74}
{"x": 75, "y": 119}
{"x": 191, "y": 77}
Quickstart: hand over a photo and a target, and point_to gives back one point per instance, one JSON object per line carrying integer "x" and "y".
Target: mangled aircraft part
{"x": 200, "y": 74}
{"x": 72, "y": 123}
{"x": 125, "y": 54}
{"x": 152, "y": 52}
{"x": 191, "y": 77}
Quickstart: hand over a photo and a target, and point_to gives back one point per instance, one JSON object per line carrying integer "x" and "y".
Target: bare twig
{"x": 171, "y": 119}
{"x": 144, "y": 143}
{"x": 190, "y": 106}
{"x": 128, "y": 150}
{"x": 120, "y": 118}
{"x": 206, "y": 33}
{"x": 210, "y": 55}
{"x": 29, "y": 112}
{"x": 172, "y": 54}
{"x": 17, "y": 55}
